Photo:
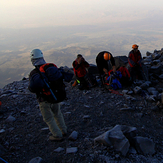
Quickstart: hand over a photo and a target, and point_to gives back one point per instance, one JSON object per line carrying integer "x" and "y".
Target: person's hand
{"x": 105, "y": 70}
{"x": 114, "y": 69}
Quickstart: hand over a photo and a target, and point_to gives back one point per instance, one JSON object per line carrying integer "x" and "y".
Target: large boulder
{"x": 93, "y": 69}
{"x": 116, "y": 138}
{"x": 144, "y": 145}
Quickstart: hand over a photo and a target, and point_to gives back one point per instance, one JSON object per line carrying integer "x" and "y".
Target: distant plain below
{"x": 60, "y": 45}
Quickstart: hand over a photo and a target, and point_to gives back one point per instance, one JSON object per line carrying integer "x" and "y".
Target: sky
{"x": 44, "y": 13}
{"x": 62, "y": 27}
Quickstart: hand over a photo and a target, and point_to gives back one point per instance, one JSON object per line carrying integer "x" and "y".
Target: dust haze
{"x": 61, "y": 44}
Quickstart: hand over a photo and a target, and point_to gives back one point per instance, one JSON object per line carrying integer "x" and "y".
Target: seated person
{"x": 105, "y": 62}
{"x": 125, "y": 80}
{"x": 80, "y": 69}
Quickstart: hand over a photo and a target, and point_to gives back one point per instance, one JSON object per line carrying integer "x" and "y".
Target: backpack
{"x": 126, "y": 77}
{"x": 124, "y": 71}
{"x": 55, "y": 80}
{"x": 113, "y": 79}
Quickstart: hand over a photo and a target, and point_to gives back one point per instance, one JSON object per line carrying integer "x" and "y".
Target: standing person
{"x": 103, "y": 65}
{"x": 50, "y": 109}
{"x": 134, "y": 60}
{"x": 80, "y": 66}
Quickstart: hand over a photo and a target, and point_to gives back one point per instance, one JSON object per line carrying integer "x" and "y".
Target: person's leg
{"x": 48, "y": 117}
{"x": 141, "y": 74}
{"x": 59, "y": 117}
{"x": 83, "y": 83}
{"x": 132, "y": 73}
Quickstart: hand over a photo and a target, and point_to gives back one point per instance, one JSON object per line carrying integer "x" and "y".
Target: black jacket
{"x": 36, "y": 84}
{"x": 102, "y": 63}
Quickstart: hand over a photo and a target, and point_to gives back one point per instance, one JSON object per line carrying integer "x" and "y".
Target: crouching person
{"x": 48, "y": 98}
{"x": 80, "y": 70}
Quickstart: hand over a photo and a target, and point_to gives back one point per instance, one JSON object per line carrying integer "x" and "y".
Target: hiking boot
{"x": 54, "y": 138}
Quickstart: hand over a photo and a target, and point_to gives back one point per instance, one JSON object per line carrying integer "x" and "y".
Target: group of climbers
{"x": 107, "y": 69}
{"x": 46, "y": 81}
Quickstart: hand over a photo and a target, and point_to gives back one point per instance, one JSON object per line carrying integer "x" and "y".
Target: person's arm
{"x": 86, "y": 64}
{"x": 35, "y": 82}
{"x": 139, "y": 59}
{"x": 105, "y": 70}
{"x": 114, "y": 69}
{"x": 112, "y": 60}
{"x": 130, "y": 60}
{"x": 113, "y": 63}
{"x": 76, "y": 65}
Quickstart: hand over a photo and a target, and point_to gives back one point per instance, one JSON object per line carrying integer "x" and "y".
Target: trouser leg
{"x": 133, "y": 74}
{"x": 48, "y": 117}
{"x": 83, "y": 83}
{"x": 58, "y": 116}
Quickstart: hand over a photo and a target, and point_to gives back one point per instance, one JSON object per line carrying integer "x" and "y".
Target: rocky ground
{"x": 24, "y": 135}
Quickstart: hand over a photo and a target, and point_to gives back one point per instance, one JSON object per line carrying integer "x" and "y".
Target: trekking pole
{"x": 46, "y": 83}
{"x": 3, "y": 160}
{"x": 144, "y": 75}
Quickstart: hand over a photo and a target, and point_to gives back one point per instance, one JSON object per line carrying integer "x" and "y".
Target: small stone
{"x": 117, "y": 156}
{"x": 86, "y": 117}
{"x": 73, "y": 136}
{"x": 72, "y": 150}
{"x": 45, "y": 128}
{"x": 67, "y": 113}
{"x": 86, "y": 106}
{"x": 36, "y": 160}
{"x": 137, "y": 90}
{"x": 10, "y": 119}
{"x": 2, "y": 131}
{"x": 14, "y": 96}
{"x": 22, "y": 112}
{"x": 59, "y": 149}
{"x": 130, "y": 92}
{"x": 125, "y": 91}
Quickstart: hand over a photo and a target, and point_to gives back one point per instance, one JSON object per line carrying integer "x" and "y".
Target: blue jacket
{"x": 113, "y": 78}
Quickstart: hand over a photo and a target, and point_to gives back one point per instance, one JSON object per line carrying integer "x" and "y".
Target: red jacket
{"x": 124, "y": 72}
{"x": 134, "y": 58}
{"x": 80, "y": 69}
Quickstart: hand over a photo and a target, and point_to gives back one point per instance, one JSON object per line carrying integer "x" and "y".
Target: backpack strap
{"x": 45, "y": 66}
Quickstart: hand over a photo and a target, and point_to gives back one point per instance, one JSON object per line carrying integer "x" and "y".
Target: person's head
{"x": 37, "y": 57}
{"x": 107, "y": 56}
{"x": 135, "y": 47}
{"x": 79, "y": 57}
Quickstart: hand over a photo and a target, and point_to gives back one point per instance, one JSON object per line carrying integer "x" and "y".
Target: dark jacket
{"x": 102, "y": 63}
{"x": 134, "y": 58}
{"x": 80, "y": 69}
{"x": 53, "y": 78}
{"x": 36, "y": 84}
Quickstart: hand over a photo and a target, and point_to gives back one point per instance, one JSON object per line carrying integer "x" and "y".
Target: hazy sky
{"x": 39, "y": 13}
